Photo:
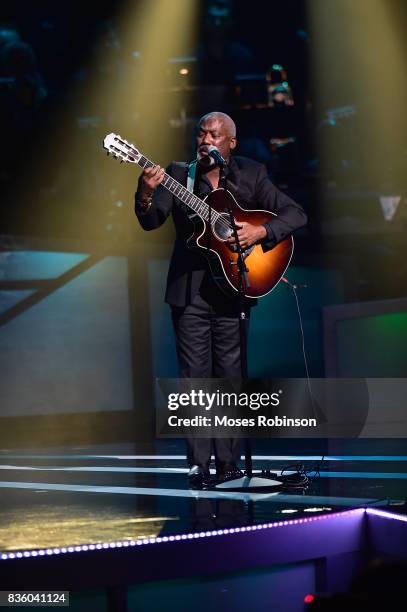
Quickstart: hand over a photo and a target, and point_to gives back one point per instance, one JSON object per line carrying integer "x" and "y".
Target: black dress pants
{"x": 208, "y": 346}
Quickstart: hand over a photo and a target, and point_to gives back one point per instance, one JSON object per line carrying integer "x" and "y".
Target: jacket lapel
{"x": 232, "y": 173}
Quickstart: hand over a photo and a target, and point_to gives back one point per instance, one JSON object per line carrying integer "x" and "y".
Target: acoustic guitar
{"x": 213, "y": 219}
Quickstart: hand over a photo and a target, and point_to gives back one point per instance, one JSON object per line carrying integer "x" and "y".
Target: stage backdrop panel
{"x": 373, "y": 346}
{"x": 70, "y": 352}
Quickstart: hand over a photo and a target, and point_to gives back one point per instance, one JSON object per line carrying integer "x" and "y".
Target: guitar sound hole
{"x": 221, "y": 227}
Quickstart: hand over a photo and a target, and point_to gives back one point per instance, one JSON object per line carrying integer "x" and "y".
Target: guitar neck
{"x": 181, "y": 192}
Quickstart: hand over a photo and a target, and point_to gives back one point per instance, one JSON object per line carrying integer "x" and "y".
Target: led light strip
{"x": 389, "y": 515}
{"x": 84, "y": 457}
{"x": 176, "y": 538}
{"x": 176, "y": 470}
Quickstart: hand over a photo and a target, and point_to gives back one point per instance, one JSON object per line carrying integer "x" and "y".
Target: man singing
{"x": 206, "y": 321}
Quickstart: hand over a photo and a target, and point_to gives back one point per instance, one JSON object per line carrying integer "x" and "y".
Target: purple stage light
{"x": 202, "y": 534}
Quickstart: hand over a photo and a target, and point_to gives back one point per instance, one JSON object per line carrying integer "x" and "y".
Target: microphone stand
{"x": 248, "y": 482}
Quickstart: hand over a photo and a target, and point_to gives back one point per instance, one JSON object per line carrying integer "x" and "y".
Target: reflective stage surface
{"x": 79, "y": 496}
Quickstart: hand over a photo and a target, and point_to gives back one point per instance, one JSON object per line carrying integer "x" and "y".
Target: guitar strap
{"x": 190, "y": 186}
{"x": 191, "y": 175}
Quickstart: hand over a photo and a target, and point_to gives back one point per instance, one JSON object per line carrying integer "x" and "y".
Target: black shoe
{"x": 199, "y": 478}
{"x": 229, "y": 472}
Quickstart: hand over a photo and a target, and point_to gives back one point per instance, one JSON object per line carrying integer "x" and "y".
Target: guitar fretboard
{"x": 181, "y": 192}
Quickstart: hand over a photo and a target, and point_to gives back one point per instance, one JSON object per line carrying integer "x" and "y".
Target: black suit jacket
{"x": 247, "y": 180}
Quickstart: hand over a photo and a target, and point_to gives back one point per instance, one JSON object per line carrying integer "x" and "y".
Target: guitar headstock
{"x": 121, "y": 149}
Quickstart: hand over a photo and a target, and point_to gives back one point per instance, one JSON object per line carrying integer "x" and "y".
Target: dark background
{"x": 61, "y": 199}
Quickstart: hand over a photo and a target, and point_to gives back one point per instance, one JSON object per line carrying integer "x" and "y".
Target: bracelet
{"x": 145, "y": 205}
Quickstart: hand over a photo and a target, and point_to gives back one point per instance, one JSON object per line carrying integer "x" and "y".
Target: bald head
{"x": 218, "y": 130}
{"x": 227, "y": 122}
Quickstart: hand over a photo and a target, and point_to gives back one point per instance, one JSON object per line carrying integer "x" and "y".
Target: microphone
{"x": 216, "y": 156}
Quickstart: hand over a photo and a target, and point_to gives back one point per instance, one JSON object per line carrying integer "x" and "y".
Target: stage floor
{"x": 79, "y": 496}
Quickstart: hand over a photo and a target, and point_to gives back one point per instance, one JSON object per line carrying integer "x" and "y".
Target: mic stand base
{"x": 250, "y": 484}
